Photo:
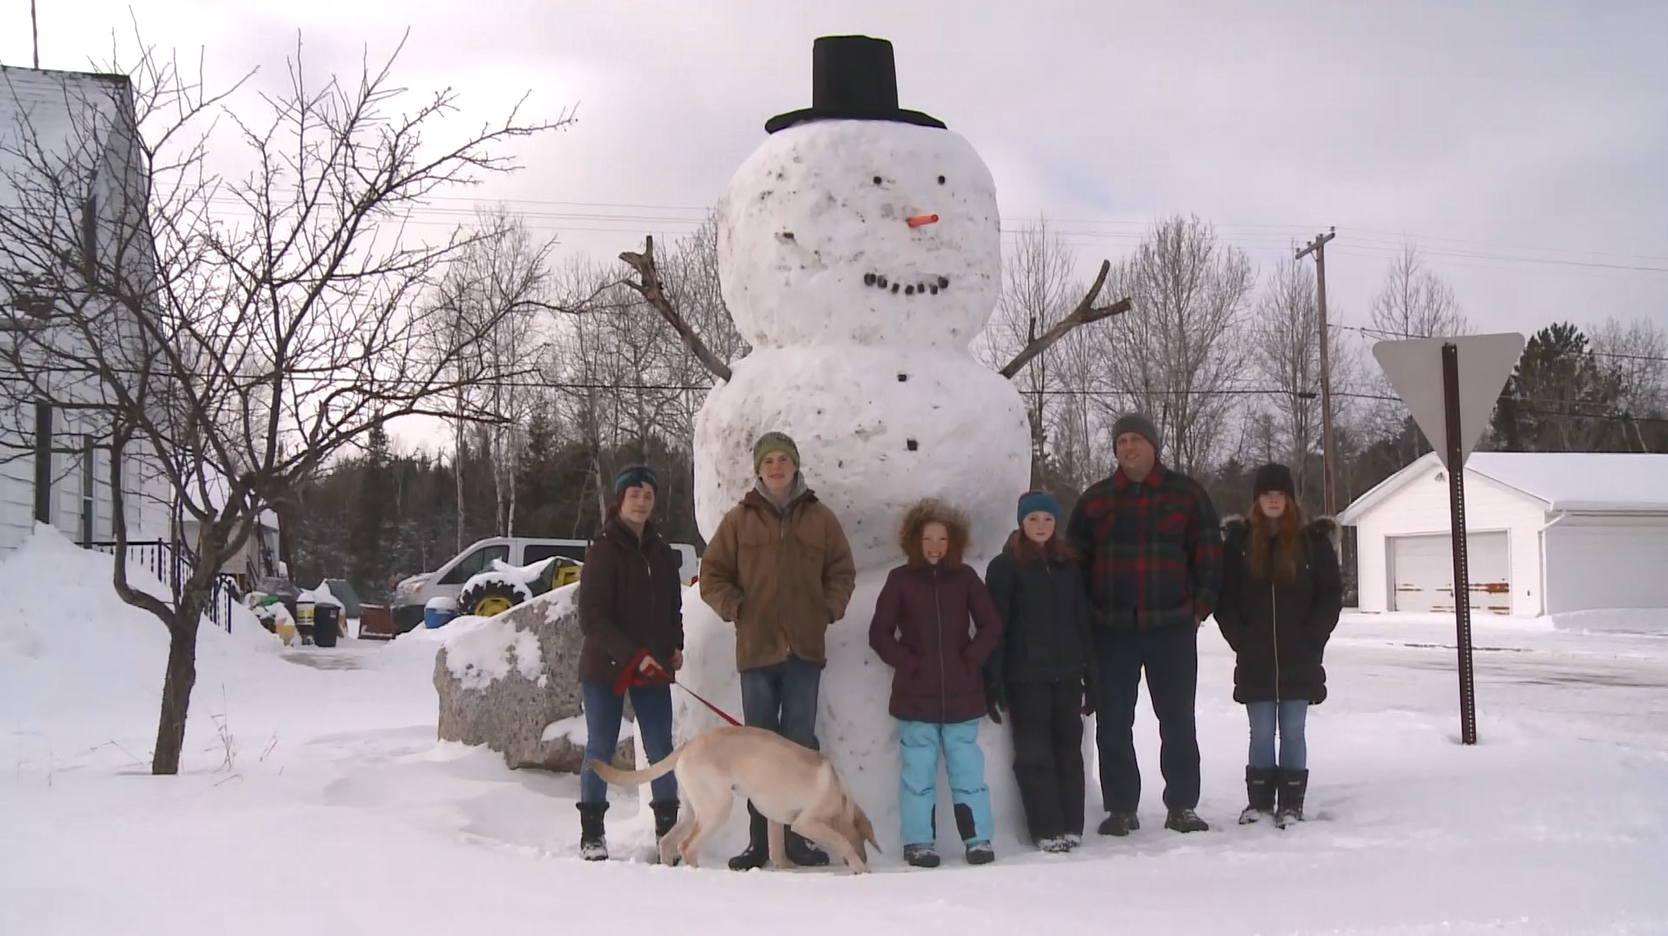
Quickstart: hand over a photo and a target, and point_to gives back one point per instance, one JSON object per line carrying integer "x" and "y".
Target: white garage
{"x": 1546, "y": 534}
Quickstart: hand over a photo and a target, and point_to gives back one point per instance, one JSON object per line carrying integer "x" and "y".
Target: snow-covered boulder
{"x": 511, "y": 682}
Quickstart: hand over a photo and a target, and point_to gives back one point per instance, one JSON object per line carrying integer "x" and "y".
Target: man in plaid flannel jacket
{"x": 1151, "y": 547}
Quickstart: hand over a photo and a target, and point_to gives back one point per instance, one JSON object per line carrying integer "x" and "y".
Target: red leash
{"x": 632, "y": 676}
{"x": 716, "y": 710}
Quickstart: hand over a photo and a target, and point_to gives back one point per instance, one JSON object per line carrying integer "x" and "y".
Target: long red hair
{"x": 1275, "y": 545}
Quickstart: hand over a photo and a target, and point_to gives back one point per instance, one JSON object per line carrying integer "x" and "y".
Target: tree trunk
{"x": 176, "y": 687}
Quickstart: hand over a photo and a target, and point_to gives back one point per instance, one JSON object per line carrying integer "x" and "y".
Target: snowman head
{"x": 857, "y": 222}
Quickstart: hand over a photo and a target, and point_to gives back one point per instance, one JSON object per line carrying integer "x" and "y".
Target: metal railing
{"x": 171, "y": 563}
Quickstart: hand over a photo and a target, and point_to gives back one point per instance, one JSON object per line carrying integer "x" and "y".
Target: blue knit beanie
{"x": 635, "y": 476}
{"x": 1038, "y": 502}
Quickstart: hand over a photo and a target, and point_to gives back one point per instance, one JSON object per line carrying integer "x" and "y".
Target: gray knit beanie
{"x": 1138, "y": 424}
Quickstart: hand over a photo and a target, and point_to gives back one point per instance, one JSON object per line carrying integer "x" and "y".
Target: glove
{"x": 1091, "y": 694}
{"x": 996, "y": 701}
{"x": 633, "y": 675}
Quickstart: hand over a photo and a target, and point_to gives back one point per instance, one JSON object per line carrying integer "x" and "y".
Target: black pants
{"x": 1170, "y": 656}
{"x": 1047, "y": 723}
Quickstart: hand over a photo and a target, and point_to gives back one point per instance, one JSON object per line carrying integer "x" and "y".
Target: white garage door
{"x": 1422, "y": 573}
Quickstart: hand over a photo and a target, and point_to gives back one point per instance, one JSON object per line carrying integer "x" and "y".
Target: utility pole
{"x": 1329, "y": 472}
{"x": 35, "y": 27}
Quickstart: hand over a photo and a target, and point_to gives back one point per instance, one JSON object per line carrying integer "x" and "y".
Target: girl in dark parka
{"x": 1043, "y": 672}
{"x": 631, "y": 616}
{"x": 1281, "y": 597}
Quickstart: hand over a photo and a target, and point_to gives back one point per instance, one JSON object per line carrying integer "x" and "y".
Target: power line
{"x": 1616, "y": 355}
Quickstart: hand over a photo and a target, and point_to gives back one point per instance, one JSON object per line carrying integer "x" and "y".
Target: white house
{"x": 54, "y": 462}
{"x": 1546, "y": 534}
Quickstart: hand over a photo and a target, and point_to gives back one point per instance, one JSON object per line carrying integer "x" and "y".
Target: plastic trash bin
{"x": 324, "y": 625}
{"x": 438, "y": 611}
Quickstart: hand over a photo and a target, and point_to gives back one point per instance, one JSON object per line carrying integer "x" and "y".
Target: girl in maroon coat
{"x": 936, "y": 626}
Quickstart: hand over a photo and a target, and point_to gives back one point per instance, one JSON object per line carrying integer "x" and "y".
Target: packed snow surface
{"x": 819, "y": 215}
{"x": 315, "y": 799}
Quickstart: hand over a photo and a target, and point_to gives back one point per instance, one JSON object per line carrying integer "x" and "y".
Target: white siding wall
{"x": 1607, "y": 562}
{"x": 1421, "y": 506}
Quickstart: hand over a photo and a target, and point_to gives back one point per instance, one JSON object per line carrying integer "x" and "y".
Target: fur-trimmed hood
{"x": 929, "y": 510}
{"x": 1237, "y": 525}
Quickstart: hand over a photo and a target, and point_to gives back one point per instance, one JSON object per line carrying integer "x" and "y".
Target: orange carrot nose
{"x": 919, "y": 220}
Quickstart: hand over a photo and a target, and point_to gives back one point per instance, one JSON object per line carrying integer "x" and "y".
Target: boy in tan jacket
{"x": 780, "y": 568}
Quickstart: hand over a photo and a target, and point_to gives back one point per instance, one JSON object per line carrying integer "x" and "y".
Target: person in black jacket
{"x": 631, "y": 619}
{"x": 1281, "y": 596}
{"x": 1043, "y": 672}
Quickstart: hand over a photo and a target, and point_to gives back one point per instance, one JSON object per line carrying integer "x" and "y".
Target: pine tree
{"x": 371, "y": 524}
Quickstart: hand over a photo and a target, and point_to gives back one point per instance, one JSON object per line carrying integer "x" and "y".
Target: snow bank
{"x": 1648, "y": 621}
{"x": 81, "y": 670}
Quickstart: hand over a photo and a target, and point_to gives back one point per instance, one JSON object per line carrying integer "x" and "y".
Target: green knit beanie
{"x": 774, "y": 442}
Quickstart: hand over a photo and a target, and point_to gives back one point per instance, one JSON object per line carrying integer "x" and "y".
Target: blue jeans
{"x": 604, "y": 711}
{"x": 782, "y": 697}
{"x": 918, "y": 780}
{"x": 1288, "y": 715}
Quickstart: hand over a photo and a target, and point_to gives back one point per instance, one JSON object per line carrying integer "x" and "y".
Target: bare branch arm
{"x": 649, "y": 287}
{"x": 1085, "y": 313}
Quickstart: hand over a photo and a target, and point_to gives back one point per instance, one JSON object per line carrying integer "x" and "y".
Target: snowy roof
{"x": 1585, "y": 482}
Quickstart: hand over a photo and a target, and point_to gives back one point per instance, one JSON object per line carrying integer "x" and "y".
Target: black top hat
{"x": 852, "y": 78}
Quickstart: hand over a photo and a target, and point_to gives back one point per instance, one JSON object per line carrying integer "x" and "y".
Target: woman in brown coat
{"x": 922, "y": 629}
{"x": 631, "y": 615}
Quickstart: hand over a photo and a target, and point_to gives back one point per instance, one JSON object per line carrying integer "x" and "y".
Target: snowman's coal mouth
{"x": 909, "y": 286}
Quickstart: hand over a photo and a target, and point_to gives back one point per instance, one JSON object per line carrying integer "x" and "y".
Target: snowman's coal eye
{"x": 940, "y": 180}
{"x": 878, "y": 180}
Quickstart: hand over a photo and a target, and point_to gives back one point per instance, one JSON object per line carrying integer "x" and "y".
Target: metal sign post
{"x": 1462, "y": 574}
{"x": 1451, "y": 406}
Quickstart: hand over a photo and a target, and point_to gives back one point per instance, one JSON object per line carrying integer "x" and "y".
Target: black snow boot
{"x": 1294, "y": 784}
{"x": 665, "y": 817}
{"x": 1260, "y": 785}
{"x": 758, "y": 843}
{"x": 1119, "y": 824}
{"x": 802, "y": 851}
{"x": 592, "y": 845}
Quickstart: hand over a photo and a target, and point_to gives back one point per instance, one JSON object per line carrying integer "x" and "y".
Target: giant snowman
{"x": 859, "y": 252}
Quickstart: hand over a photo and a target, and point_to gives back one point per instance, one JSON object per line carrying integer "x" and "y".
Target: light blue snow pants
{"x": 918, "y": 780}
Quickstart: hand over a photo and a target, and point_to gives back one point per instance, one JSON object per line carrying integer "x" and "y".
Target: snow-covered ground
{"x": 316, "y": 800}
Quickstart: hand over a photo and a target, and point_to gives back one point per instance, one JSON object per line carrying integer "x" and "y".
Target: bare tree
{"x": 1180, "y": 357}
{"x": 1039, "y": 289}
{"x": 233, "y": 352}
{"x": 1634, "y": 359}
{"x": 1413, "y": 302}
{"x": 1285, "y": 340}
{"x": 1416, "y": 303}
{"x": 498, "y": 284}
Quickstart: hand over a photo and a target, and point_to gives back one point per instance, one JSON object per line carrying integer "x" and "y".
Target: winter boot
{"x": 802, "y": 851}
{"x": 665, "y": 817}
{"x": 1185, "y": 820}
{"x": 1072, "y": 840}
{"x": 592, "y": 845}
{"x": 758, "y": 843}
{"x": 980, "y": 853}
{"x": 1260, "y": 783}
{"x": 921, "y": 856}
{"x": 1119, "y": 824}
{"x": 1294, "y": 784}
{"x": 1054, "y": 844}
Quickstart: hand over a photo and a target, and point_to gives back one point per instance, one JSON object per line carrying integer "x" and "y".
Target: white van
{"x": 448, "y": 580}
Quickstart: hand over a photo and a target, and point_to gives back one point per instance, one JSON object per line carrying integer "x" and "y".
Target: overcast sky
{"x": 1522, "y": 144}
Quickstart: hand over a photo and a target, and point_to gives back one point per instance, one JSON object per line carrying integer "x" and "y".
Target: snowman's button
{"x": 912, "y": 445}
{"x": 940, "y": 180}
